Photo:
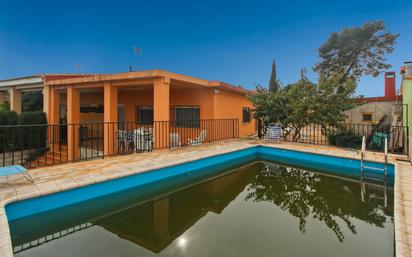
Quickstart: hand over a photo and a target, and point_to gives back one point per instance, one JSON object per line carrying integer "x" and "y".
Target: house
{"x": 102, "y": 106}
{"x": 383, "y": 110}
{"x": 92, "y": 116}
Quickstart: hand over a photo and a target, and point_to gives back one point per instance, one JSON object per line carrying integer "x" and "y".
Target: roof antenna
{"x": 138, "y": 52}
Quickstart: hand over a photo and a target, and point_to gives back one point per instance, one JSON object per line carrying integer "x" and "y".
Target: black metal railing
{"x": 348, "y": 136}
{"x": 40, "y": 145}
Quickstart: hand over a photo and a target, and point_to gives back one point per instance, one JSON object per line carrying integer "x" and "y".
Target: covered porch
{"x": 132, "y": 112}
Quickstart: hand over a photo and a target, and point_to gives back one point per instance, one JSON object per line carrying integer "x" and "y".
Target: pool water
{"x": 258, "y": 209}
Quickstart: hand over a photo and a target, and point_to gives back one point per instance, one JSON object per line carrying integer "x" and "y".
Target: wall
{"x": 407, "y": 99}
{"x": 194, "y": 97}
{"x": 133, "y": 98}
{"x": 213, "y": 104}
{"x": 230, "y": 106}
{"x": 378, "y": 110}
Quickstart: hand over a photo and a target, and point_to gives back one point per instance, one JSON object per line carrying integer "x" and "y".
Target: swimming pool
{"x": 296, "y": 203}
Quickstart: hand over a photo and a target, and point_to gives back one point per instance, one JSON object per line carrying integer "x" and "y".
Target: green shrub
{"x": 33, "y": 136}
{"x": 8, "y": 118}
{"x": 5, "y": 106}
{"x": 347, "y": 139}
{"x": 37, "y": 117}
{"x": 23, "y": 137}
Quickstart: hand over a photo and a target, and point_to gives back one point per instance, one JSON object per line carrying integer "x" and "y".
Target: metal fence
{"x": 40, "y": 145}
{"x": 348, "y": 136}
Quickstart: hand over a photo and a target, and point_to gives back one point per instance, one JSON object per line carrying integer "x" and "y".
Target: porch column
{"x": 73, "y": 120}
{"x": 161, "y": 112}
{"x": 110, "y": 119}
{"x": 54, "y": 106}
{"x": 46, "y": 101}
{"x": 15, "y": 100}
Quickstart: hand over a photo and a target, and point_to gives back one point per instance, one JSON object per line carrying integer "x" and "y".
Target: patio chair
{"x": 200, "y": 139}
{"x": 274, "y": 132}
{"x": 15, "y": 169}
{"x": 174, "y": 140}
{"x": 123, "y": 141}
{"x": 143, "y": 140}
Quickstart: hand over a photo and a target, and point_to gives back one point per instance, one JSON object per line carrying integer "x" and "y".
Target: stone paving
{"x": 57, "y": 178}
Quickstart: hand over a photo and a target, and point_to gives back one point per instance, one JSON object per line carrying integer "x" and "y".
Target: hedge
{"x": 348, "y": 139}
{"x": 23, "y": 137}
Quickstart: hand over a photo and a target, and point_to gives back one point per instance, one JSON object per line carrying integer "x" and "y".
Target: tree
{"x": 300, "y": 104}
{"x": 274, "y": 84}
{"x": 334, "y": 96}
{"x": 290, "y": 107}
{"x": 300, "y": 111}
{"x": 269, "y": 105}
{"x": 355, "y": 52}
{"x": 32, "y": 101}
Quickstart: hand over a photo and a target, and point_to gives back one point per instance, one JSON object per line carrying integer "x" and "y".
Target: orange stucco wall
{"x": 214, "y": 104}
{"x": 131, "y": 99}
{"x": 194, "y": 97}
{"x": 230, "y": 106}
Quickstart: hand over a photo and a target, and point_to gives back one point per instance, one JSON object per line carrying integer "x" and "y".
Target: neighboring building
{"x": 406, "y": 88}
{"x": 11, "y": 90}
{"x": 383, "y": 110}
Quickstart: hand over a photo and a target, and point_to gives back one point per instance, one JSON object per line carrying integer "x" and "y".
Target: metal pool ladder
{"x": 365, "y": 169}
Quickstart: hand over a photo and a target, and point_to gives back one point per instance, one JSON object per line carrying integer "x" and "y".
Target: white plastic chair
{"x": 200, "y": 139}
{"x": 274, "y": 132}
{"x": 174, "y": 140}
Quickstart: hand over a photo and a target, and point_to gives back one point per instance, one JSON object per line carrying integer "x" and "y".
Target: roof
{"x": 380, "y": 99}
{"x": 35, "y": 81}
{"x": 148, "y": 74}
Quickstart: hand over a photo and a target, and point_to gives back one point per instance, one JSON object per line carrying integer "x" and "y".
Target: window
{"x": 92, "y": 109}
{"x": 367, "y": 117}
{"x": 144, "y": 115}
{"x": 186, "y": 116}
{"x": 246, "y": 115}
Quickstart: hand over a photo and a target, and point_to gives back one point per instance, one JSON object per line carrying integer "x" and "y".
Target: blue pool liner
{"x": 324, "y": 163}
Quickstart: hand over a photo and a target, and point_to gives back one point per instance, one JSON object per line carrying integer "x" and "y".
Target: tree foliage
{"x": 355, "y": 52}
{"x": 334, "y": 96}
{"x": 274, "y": 84}
{"x": 5, "y": 106}
{"x": 302, "y": 103}
{"x": 32, "y": 101}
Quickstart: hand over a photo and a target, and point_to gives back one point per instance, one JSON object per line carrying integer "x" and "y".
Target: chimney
{"x": 390, "y": 85}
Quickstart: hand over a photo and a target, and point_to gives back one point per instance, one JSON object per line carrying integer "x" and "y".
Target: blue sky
{"x": 232, "y": 41}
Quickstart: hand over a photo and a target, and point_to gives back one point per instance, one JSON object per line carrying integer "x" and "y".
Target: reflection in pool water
{"x": 261, "y": 209}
